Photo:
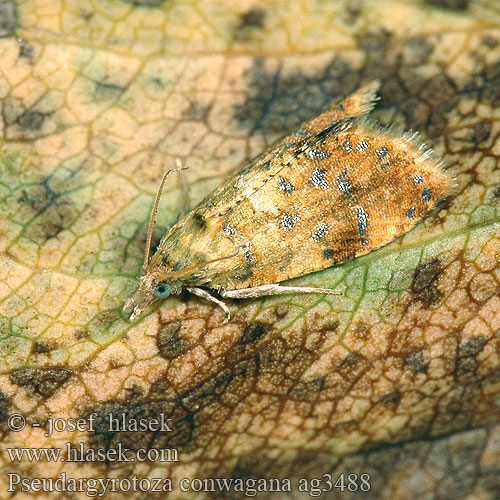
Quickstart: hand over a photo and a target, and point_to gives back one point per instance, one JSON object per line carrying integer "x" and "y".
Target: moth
{"x": 336, "y": 188}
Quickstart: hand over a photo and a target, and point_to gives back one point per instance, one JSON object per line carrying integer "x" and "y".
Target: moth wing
{"x": 342, "y": 189}
{"x": 351, "y": 193}
{"x": 205, "y": 235}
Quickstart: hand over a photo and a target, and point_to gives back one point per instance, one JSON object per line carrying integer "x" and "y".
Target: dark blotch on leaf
{"x": 417, "y": 50}
{"x": 105, "y": 319}
{"x": 280, "y": 101}
{"x": 55, "y": 211}
{"x": 235, "y": 380}
{"x": 4, "y": 412}
{"x": 450, "y": 4}
{"x": 281, "y": 311}
{"x": 416, "y": 362}
{"x": 169, "y": 341}
{"x": 352, "y": 366}
{"x": 486, "y": 84}
{"x": 391, "y": 398}
{"x": 250, "y": 21}
{"x": 31, "y": 120}
{"x": 473, "y": 346}
{"x": 253, "y": 18}
{"x": 307, "y": 391}
{"x": 182, "y": 425}
{"x": 41, "y": 381}
{"x": 252, "y": 333}
{"x": 8, "y": 18}
{"x": 466, "y": 364}
{"x": 43, "y": 347}
{"x": 375, "y": 41}
{"x": 423, "y": 286}
{"x": 25, "y": 49}
{"x": 480, "y": 132}
{"x": 145, "y": 3}
{"x": 247, "y": 467}
{"x": 465, "y": 369}
{"x": 106, "y": 90}
{"x": 490, "y": 41}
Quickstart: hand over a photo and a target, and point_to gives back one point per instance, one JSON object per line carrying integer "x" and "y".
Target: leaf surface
{"x": 99, "y": 99}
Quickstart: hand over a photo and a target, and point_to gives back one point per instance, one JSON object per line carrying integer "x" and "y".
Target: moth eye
{"x": 162, "y": 291}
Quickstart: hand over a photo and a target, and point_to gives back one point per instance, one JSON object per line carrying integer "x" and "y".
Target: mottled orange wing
{"x": 333, "y": 190}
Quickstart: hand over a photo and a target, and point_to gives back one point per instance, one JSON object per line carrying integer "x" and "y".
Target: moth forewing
{"x": 336, "y": 188}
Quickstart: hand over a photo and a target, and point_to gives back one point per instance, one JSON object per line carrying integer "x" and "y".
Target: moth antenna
{"x": 152, "y": 220}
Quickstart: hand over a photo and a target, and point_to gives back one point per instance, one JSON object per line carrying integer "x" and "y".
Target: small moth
{"x": 334, "y": 189}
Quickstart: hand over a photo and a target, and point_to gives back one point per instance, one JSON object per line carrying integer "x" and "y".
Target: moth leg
{"x": 275, "y": 289}
{"x": 199, "y": 292}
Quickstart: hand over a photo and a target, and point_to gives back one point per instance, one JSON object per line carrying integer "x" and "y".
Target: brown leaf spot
{"x": 25, "y": 49}
{"x": 106, "y": 90}
{"x": 4, "y": 412}
{"x": 105, "y": 319}
{"x": 281, "y": 311}
{"x": 250, "y": 21}
{"x": 55, "y": 211}
{"x": 82, "y": 334}
{"x": 417, "y": 51}
{"x": 450, "y": 4}
{"x": 361, "y": 330}
{"x": 159, "y": 388}
{"x": 496, "y": 192}
{"x": 31, "y": 120}
{"x": 480, "y": 132}
{"x": 466, "y": 363}
{"x": 423, "y": 286}
{"x": 247, "y": 466}
{"x": 278, "y": 102}
{"x": 38, "y": 197}
{"x": 490, "y": 41}
{"x": 252, "y": 333}
{"x": 486, "y": 84}
{"x": 145, "y": 3}
{"x": 197, "y": 112}
{"x": 239, "y": 377}
{"x": 307, "y": 391}
{"x": 439, "y": 93}
{"x": 41, "y": 381}
{"x": 8, "y": 18}
{"x": 352, "y": 365}
{"x": 182, "y": 425}
{"x": 391, "y": 398}
{"x": 169, "y": 341}
{"x": 332, "y": 326}
{"x": 375, "y": 41}
{"x": 43, "y": 346}
{"x": 352, "y": 11}
{"x": 416, "y": 362}
{"x": 472, "y": 347}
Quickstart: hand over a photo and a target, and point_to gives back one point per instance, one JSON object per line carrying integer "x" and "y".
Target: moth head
{"x": 152, "y": 287}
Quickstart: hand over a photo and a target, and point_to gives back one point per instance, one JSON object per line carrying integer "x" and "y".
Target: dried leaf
{"x": 99, "y": 99}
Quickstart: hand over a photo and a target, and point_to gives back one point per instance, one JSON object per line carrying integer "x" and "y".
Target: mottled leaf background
{"x": 398, "y": 378}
